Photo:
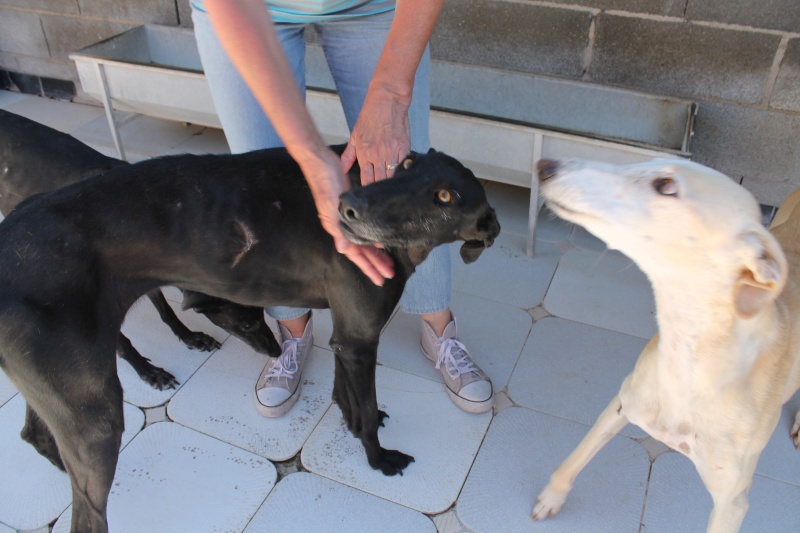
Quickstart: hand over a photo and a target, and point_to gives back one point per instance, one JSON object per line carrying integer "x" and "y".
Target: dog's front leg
{"x": 552, "y": 498}
{"x": 728, "y": 478}
{"x": 354, "y": 391}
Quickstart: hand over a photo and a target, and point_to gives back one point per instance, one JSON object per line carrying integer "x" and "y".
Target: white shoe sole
{"x": 278, "y": 410}
{"x": 464, "y": 404}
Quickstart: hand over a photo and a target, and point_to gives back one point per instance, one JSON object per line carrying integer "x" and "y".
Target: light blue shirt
{"x": 306, "y": 11}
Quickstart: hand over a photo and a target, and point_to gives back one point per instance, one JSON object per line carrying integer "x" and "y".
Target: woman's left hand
{"x": 381, "y": 137}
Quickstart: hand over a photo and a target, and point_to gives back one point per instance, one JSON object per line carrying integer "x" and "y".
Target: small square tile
{"x": 33, "y": 492}
{"x": 423, "y": 423}
{"x": 677, "y": 500}
{"x": 171, "y": 478}
{"x": 521, "y": 450}
{"x": 505, "y": 274}
{"x": 307, "y": 502}
{"x": 63, "y": 116}
{"x": 155, "y": 341}
{"x": 606, "y": 290}
{"x": 585, "y": 363}
{"x": 494, "y": 334}
{"x": 220, "y": 401}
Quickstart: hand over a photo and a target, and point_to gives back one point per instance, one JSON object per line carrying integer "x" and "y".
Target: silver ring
{"x": 391, "y": 167}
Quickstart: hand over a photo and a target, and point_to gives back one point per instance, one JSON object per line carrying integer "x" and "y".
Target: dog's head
{"x": 674, "y": 218}
{"x": 431, "y": 200}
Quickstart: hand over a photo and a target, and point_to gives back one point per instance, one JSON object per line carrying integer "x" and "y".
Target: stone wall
{"x": 740, "y": 60}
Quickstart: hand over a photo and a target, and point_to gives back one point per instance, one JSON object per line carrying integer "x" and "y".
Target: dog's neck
{"x": 703, "y": 344}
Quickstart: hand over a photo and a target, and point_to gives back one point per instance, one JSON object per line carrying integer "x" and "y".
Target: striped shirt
{"x": 306, "y": 11}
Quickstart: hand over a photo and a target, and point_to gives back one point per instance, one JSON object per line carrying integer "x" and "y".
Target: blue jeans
{"x": 352, "y": 48}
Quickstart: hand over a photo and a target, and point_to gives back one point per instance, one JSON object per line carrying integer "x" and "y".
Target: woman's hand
{"x": 327, "y": 181}
{"x": 381, "y": 137}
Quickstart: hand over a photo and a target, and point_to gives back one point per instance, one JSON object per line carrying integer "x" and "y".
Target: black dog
{"x": 36, "y": 159}
{"x": 240, "y": 227}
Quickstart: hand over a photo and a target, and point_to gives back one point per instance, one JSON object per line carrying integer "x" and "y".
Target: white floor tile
{"x": 7, "y": 389}
{"x": 173, "y": 479}
{"x": 219, "y": 401}
{"x": 9, "y": 98}
{"x": 4, "y": 528}
{"x": 504, "y": 273}
{"x": 33, "y": 492}
{"x": 493, "y": 333}
{"x": 572, "y": 370}
{"x": 424, "y": 423}
{"x": 521, "y": 450}
{"x": 155, "y": 341}
{"x": 677, "y": 500}
{"x": 62, "y": 116}
{"x": 586, "y": 241}
{"x": 307, "y": 502}
{"x": 206, "y": 141}
{"x": 139, "y": 134}
{"x": 606, "y": 290}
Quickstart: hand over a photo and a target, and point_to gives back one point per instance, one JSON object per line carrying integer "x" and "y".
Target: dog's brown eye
{"x": 666, "y": 186}
{"x": 407, "y": 162}
{"x": 444, "y": 196}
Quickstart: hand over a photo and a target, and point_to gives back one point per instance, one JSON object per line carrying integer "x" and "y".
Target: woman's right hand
{"x": 327, "y": 181}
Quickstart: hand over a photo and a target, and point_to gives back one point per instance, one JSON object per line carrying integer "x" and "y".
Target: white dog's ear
{"x": 763, "y": 274}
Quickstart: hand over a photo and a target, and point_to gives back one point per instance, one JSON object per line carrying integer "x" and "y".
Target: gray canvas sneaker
{"x": 278, "y": 386}
{"x": 467, "y": 385}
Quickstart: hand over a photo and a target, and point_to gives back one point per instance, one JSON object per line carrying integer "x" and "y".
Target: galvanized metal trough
{"x": 498, "y": 123}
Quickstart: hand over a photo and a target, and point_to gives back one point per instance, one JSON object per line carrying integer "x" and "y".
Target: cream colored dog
{"x": 712, "y": 382}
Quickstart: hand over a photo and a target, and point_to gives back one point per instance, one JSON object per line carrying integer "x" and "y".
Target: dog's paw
{"x": 548, "y": 503}
{"x": 391, "y": 462}
{"x": 197, "y": 340}
{"x": 795, "y": 433}
{"x": 158, "y": 378}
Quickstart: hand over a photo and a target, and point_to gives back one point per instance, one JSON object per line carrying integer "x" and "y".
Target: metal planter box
{"x": 153, "y": 70}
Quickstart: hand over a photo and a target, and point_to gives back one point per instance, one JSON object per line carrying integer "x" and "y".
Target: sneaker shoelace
{"x": 455, "y": 357}
{"x": 286, "y": 365}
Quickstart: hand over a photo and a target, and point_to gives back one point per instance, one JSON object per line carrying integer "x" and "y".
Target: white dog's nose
{"x": 546, "y": 168}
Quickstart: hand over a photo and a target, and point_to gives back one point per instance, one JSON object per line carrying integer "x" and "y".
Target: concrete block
{"x": 21, "y": 33}
{"x": 516, "y": 36}
{"x": 67, "y": 34}
{"x": 140, "y": 11}
{"x": 39, "y": 66}
{"x": 770, "y": 14}
{"x": 786, "y": 94}
{"x": 683, "y": 59}
{"x": 58, "y": 6}
{"x": 672, "y": 8}
{"x": 756, "y": 146}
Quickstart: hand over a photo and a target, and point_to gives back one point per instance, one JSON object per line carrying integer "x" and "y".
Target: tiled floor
{"x": 556, "y": 334}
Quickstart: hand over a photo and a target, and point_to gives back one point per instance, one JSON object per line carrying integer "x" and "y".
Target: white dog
{"x": 712, "y": 382}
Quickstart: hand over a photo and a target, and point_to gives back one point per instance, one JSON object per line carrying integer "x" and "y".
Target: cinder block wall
{"x": 739, "y": 59}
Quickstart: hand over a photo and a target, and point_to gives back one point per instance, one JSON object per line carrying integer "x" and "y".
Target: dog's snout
{"x": 546, "y": 169}
{"x": 351, "y": 206}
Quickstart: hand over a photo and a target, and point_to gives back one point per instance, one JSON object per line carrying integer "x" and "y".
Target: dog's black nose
{"x": 546, "y": 168}
{"x": 351, "y": 206}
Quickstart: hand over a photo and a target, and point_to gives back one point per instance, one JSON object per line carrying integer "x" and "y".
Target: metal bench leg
{"x": 535, "y": 204}
{"x": 101, "y": 75}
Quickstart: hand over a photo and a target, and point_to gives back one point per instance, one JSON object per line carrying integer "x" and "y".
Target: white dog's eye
{"x": 665, "y": 186}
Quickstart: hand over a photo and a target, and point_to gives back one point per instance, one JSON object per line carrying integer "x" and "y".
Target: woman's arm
{"x": 382, "y": 134}
{"x": 245, "y": 30}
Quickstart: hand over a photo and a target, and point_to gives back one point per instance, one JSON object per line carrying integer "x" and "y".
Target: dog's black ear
{"x": 763, "y": 274}
{"x": 479, "y": 238}
{"x": 200, "y": 303}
